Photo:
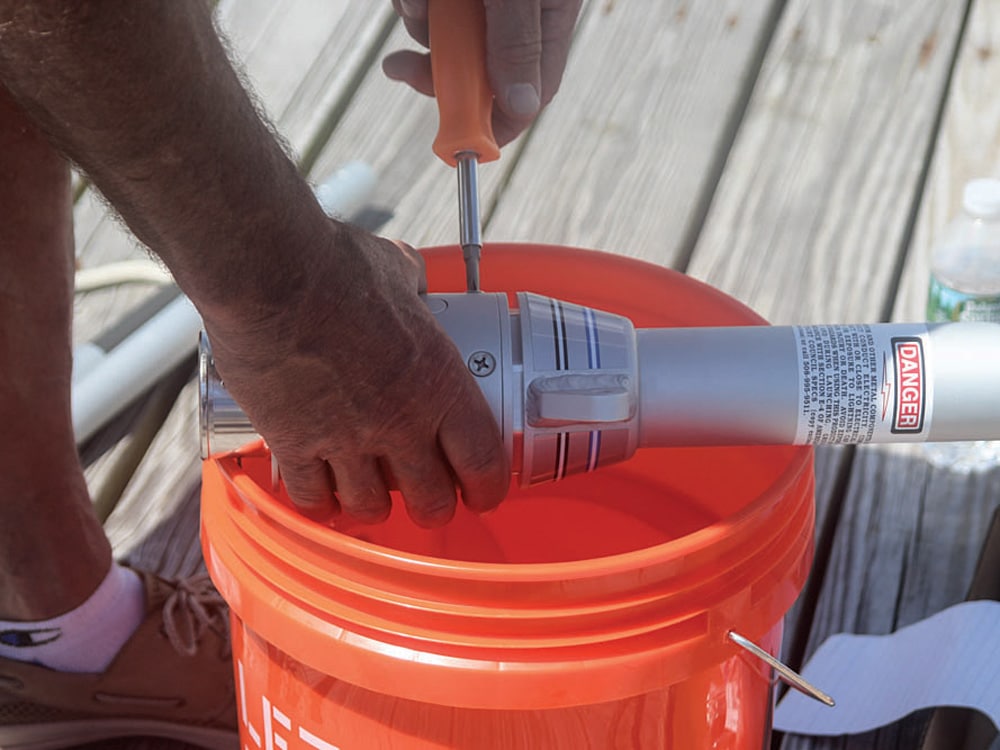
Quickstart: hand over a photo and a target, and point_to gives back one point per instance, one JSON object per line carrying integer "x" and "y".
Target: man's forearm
{"x": 142, "y": 97}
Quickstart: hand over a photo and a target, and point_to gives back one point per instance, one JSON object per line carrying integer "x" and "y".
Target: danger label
{"x": 839, "y": 401}
{"x": 862, "y": 383}
{"x": 911, "y": 384}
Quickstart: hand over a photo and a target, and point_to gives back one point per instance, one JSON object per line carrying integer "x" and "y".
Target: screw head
{"x": 482, "y": 364}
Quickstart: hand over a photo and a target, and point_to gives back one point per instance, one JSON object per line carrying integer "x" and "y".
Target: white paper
{"x": 950, "y": 659}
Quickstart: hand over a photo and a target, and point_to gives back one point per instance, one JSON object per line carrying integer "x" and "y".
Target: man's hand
{"x": 356, "y": 386}
{"x": 527, "y": 43}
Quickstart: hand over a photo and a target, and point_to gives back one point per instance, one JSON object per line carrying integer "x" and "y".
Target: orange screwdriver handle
{"x": 458, "y": 63}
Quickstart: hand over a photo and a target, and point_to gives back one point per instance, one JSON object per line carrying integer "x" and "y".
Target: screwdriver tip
{"x": 471, "y": 254}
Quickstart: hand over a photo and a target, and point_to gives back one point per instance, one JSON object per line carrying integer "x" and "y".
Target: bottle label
{"x": 946, "y": 304}
{"x": 863, "y": 383}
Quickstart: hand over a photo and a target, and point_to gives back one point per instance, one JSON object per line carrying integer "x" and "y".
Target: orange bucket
{"x": 593, "y": 612}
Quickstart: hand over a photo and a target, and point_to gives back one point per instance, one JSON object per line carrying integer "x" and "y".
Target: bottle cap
{"x": 981, "y": 198}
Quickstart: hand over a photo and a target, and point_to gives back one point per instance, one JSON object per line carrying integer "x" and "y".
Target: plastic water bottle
{"x": 965, "y": 285}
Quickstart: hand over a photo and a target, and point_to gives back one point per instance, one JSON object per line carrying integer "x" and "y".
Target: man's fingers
{"x": 558, "y": 22}
{"x": 414, "y": 9}
{"x": 427, "y": 486}
{"x": 472, "y": 443}
{"x": 362, "y": 490}
{"x": 514, "y": 57}
{"x": 310, "y": 486}
{"x": 412, "y": 68}
{"x": 414, "y": 15}
{"x": 527, "y": 45}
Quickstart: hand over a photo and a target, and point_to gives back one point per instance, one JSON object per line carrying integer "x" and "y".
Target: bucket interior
{"x": 659, "y": 496}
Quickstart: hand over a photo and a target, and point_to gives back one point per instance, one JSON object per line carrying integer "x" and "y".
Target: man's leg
{"x": 53, "y": 551}
{"x": 62, "y": 602}
{"x": 88, "y": 648}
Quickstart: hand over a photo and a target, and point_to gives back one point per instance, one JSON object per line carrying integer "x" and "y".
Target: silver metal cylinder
{"x": 224, "y": 426}
{"x": 582, "y": 388}
{"x": 964, "y": 372}
{"x": 892, "y": 382}
{"x": 708, "y": 386}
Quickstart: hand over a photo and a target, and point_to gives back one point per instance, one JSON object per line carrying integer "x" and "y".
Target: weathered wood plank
{"x": 627, "y": 155}
{"x": 155, "y": 525}
{"x": 906, "y": 547}
{"x": 809, "y": 221}
{"x": 102, "y": 238}
{"x": 302, "y": 58}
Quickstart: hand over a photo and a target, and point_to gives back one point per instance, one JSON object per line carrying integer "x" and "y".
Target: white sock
{"x": 87, "y": 638}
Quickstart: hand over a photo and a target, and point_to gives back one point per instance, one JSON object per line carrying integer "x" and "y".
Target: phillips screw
{"x": 482, "y": 364}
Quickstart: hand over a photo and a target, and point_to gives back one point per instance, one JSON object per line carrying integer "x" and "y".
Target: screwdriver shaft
{"x": 468, "y": 216}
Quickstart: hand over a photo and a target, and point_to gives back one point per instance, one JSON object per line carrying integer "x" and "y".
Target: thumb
{"x": 514, "y": 57}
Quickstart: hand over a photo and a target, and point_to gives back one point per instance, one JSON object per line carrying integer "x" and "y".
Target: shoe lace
{"x": 194, "y": 607}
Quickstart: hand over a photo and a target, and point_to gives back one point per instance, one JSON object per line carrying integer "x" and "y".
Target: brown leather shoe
{"x": 173, "y": 678}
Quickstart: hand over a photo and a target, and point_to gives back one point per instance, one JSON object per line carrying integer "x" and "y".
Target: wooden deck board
{"x": 810, "y": 217}
{"x": 302, "y": 57}
{"x": 625, "y": 157}
{"x": 830, "y": 465}
{"x": 102, "y": 238}
{"x": 906, "y": 547}
{"x": 150, "y": 527}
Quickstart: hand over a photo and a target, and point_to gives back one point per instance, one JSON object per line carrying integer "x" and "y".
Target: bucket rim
{"x": 363, "y": 551}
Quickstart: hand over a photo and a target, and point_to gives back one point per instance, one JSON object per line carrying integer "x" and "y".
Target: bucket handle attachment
{"x": 788, "y": 675}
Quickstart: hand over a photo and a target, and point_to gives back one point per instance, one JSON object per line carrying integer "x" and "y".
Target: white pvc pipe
{"x": 344, "y": 192}
{"x": 86, "y": 357}
{"x": 137, "y": 271}
{"x": 131, "y": 367}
